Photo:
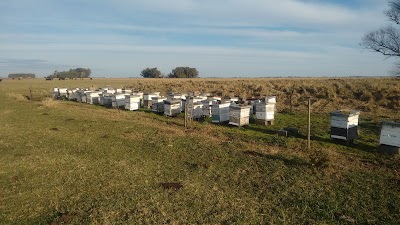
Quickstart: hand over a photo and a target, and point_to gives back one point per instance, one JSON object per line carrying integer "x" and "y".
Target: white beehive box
{"x": 344, "y": 124}
{"x": 207, "y": 108}
{"x": 197, "y": 112}
{"x": 390, "y": 134}
{"x": 239, "y": 115}
{"x": 118, "y": 100}
{"x": 265, "y": 113}
{"x": 172, "y": 107}
{"x": 158, "y": 104}
{"x": 109, "y": 91}
{"x": 147, "y": 99}
{"x": 132, "y": 102}
{"x": 62, "y": 92}
{"x": 92, "y": 97}
{"x": 108, "y": 99}
{"x": 220, "y": 112}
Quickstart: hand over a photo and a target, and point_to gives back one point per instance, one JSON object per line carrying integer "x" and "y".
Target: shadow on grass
{"x": 357, "y": 145}
{"x": 295, "y": 161}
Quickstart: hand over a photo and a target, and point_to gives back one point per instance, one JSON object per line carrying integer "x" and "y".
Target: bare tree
{"x": 386, "y": 40}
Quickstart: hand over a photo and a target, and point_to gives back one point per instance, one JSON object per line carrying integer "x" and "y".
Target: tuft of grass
{"x": 17, "y": 97}
{"x": 49, "y": 102}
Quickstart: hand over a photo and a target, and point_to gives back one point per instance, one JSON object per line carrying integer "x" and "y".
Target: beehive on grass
{"x": 239, "y": 115}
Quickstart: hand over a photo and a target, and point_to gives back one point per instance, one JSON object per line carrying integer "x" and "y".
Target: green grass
{"x": 82, "y": 164}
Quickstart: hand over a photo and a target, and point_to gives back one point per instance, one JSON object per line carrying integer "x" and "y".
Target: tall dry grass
{"x": 49, "y": 103}
{"x": 16, "y": 97}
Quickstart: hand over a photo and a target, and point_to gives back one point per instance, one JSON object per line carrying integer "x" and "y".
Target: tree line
{"x": 178, "y": 72}
{"x": 72, "y": 73}
{"x": 21, "y": 75}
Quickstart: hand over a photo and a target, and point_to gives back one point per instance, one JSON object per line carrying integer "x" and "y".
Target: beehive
{"x": 147, "y": 99}
{"x": 118, "y": 100}
{"x": 132, "y": 102}
{"x": 197, "y": 112}
{"x": 220, "y": 112}
{"x": 344, "y": 124}
{"x": 108, "y": 99}
{"x": 92, "y": 97}
{"x": 158, "y": 104}
{"x": 390, "y": 138}
{"x": 265, "y": 113}
{"x": 239, "y": 115}
{"x": 172, "y": 107}
{"x": 207, "y": 107}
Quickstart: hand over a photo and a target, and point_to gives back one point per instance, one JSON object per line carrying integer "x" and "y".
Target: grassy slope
{"x": 101, "y": 166}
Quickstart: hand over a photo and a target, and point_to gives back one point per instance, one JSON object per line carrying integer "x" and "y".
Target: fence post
{"x": 309, "y": 125}
{"x": 30, "y": 92}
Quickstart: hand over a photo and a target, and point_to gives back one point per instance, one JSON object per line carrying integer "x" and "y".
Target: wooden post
{"x": 30, "y": 91}
{"x": 309, "y": 125}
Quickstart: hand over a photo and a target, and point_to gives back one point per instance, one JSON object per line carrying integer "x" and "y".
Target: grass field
{"x": 68, "y": 163}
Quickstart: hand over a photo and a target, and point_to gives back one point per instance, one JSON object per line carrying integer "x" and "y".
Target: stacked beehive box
{"x": 118, "y": 100}
{"x": 108, "y": 99}
{"x": 220, "y": 112}
{"x": 72, "y": 94}
{"x": 239, "y": 115}
{"x": 197, "y": 111}
{"x": 140, "y": 94}
{"x": 207, "y": 107}
{"x": 147, "y": 99}
{"x": 390, "y": 138}
{"x": 344, "y": 125}
{"x": 132, "y": 102}
{"x": 172, "y": 107}
{"x": 265, "y": 111}
{"x": 157, "y": 104}
{"x": 92, "y": 97}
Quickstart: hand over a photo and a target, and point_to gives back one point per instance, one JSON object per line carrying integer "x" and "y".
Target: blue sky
{"x": 225, "y": 38}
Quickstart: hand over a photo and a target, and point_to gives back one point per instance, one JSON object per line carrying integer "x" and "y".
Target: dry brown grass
{"x": 49, "y": 103}
{"x": 17, "y": 97}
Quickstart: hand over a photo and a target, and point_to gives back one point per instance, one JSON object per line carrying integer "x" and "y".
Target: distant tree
{"x": 21, "y": 75}
{"x": 184, "y": 72}
{"x": 151, "y": 73}
{"x": 72, "y": 73}
{"x": 386, "y": 40}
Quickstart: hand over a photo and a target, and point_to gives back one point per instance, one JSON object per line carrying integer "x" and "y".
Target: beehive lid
{"x": 345, "y": 113}
{"x": 240, "y": 106}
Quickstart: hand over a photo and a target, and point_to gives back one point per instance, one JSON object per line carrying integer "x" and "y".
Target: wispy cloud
{"x": 229, "y": 37}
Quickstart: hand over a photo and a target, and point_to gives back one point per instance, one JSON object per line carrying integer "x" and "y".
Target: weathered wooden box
{"x": 390, "y": 138}
{"x": 344, "y": 124}
{"x": 239, "y": 115}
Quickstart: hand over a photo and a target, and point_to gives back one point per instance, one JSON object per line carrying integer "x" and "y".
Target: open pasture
{"x": 66, "y": 162}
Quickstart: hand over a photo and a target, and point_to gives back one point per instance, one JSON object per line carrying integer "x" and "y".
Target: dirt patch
{"x": 63, "y": 218}
{"x": 173, "y": 185}
{"x": 69, "y": 119}
{"x": 54, "y": 129}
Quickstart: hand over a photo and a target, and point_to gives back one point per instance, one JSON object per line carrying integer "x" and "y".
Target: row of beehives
{"x": 198, "y": 105}
{"x": 344, "y": 124}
